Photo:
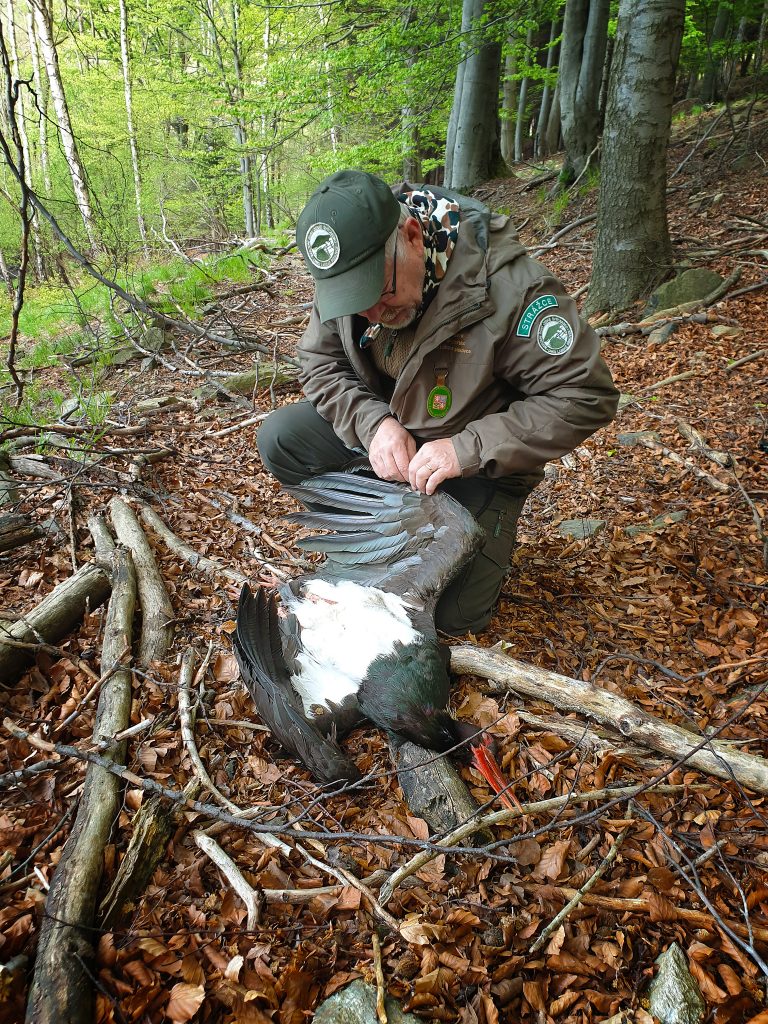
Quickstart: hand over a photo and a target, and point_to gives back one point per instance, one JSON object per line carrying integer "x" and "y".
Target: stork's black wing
{"x": 385, "y": 535}
{"x": 258, "y": 649}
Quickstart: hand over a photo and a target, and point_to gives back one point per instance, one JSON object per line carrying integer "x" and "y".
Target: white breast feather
{"x": 344, "y": 626}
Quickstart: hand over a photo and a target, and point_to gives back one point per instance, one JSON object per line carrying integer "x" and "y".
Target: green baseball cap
{"x": 341, "y": 233}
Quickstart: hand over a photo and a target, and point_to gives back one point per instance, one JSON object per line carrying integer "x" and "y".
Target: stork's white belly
{"x": 344, "y": 627}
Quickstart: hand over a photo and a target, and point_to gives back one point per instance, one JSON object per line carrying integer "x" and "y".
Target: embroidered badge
{"x": 439, "y": 399}
{"x": 532, "y": 310}
{"x": 322, "y": 245}
{"x": 555, "y": 335}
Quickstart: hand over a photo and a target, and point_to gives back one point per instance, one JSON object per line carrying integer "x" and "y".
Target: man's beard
{"x": 396, "y": 319}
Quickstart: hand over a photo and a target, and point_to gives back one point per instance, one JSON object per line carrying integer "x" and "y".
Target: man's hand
{"x": 391, "y": 451}
{"x": 433, "y": 462}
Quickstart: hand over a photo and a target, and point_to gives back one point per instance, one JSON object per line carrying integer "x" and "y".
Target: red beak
{"x": 486, "y": 764}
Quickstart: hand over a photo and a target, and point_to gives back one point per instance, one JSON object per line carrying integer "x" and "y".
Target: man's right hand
{"x": 391, "y": 451}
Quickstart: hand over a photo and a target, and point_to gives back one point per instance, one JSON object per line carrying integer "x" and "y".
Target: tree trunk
{"x": 553, "y": 123}
{"x": 475, "y": 140}
{"x": 21, "y": 121}
{"x": 522, "y": 101}
{"x": 51, "y": 61}
{"x": 633, "y": 250}
{"x": 42, "y": 103}
{"x": 540, "y": 147}
{"x": 458, "y": 91}
{"x": 711, "y": 81}
{"x": 126, "y": 61}
{"x": 509, "y": 105}
{"x": 582, "y": 55}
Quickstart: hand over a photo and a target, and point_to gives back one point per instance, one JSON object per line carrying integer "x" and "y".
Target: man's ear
{"x": 412, "y": 232}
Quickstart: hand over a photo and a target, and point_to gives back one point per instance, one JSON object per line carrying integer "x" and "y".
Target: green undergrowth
{"x": 57, "y": 323}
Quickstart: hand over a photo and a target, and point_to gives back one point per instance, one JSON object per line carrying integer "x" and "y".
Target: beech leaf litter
{"x": 664, "y": 605}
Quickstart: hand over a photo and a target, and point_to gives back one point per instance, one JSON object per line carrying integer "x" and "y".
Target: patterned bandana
{"x": 440, "y": 227}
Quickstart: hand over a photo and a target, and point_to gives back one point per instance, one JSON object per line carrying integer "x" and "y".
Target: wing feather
{"x": 434, "y": 535}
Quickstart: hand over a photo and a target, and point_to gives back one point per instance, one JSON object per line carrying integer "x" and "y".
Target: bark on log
{"x": 9, "y": 492}
{"x": 54, "y": 617}
{"x": 151, "y": 830}
{"x": 716, "y": 758}
{"x": 156, "y": 608}
{"x": 432, "y": 787}
{"x": 17, "y": 529}
{"x": 61, "y": 988}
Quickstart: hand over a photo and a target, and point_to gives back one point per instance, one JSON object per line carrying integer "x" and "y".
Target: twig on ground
{"x": 381, "y": 1009}
{"x": 744, "y": 360}
{"x": 186, "y": 718}
{"x": 571, "y": 905}
{"x": 253, "y": 900}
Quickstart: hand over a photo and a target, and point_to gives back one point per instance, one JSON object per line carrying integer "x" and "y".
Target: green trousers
{"x": 295, "y": 443}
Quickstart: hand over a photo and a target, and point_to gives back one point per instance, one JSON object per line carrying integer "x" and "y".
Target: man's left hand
{"x": 433, "y": 462}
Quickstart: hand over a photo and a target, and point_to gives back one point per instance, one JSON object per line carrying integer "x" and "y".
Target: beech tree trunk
{"x": 712, "y": 80}
{"x": 475, "y": 106}
{"x": 633, "y": 250}
{"x": 522, "y": 101}
{"x": 77, "y": 173}
{"x": 128, "y": 91}
{"x": 582, "y": 55}
{"x": 509, "y": 106}
{"x": 540, "y": 144}
{"x": 21, "y": 122}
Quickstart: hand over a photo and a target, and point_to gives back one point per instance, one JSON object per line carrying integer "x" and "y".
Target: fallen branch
{"x": 554, "y": 804}
{"x": 17, "y": 529}
{"x": 253, "y": 900}
{"x": 578, "y": 898}
{"x": 698, "y": 443}
{"x": 628, "y": 905}
{"x": 745, "y": 359}
{"x": 187, "y": 731}
{"x": 62, "y": 984}
{"x": 151, "y": 828}
{"x": 686, "y": 375}
{"x": 704, "y": 753}
{"x": 53, "y": 618}
{"x": 156, "y": 608}
{"x": 648, "y": 439}
{"x": 188, "y": 554}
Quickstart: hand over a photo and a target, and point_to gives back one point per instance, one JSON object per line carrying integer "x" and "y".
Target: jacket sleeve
{"x": 335, "y": 389}
{"x": 551, "y": 360}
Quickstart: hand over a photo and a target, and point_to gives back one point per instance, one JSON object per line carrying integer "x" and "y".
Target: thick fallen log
{"x": 432, "y": 787}
{"x": 156, "y": 608}
{"x": 700, "y": 752}
{"x": 61, "y": 988}
{"x": 17, "y": 529}
{"x": 54, "y": 617}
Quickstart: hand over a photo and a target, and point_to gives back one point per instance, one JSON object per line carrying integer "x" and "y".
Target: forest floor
{"x": 664, "y": 605}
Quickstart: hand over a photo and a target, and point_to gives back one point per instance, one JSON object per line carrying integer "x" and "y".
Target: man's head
{"x": 363, "y": 250}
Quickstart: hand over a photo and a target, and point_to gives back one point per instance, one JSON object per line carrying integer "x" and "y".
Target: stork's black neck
{"x": 406, "y": 692}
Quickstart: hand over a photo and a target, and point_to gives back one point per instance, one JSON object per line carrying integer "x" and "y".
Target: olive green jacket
{"x": 527, "y": 382}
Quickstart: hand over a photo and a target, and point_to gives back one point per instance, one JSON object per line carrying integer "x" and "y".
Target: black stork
{"x": 357, "y": 638}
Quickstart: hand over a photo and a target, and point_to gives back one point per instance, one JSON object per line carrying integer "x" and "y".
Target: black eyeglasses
{"x": 393, "y": 289}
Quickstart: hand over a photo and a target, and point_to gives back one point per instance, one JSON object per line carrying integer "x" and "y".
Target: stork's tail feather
{"x": 258, "y": 650}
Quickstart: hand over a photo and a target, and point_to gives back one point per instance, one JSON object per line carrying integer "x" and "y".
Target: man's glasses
{"x": 393, "y": 289}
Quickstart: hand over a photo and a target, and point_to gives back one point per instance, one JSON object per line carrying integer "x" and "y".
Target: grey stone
{"x": 674, "y": 997}
{"x": 356, "y": 1004}
{"x": 580, "y": 529}
{"x": 657, "y": 524}
{"x": 691, "y": 286}
{"x": 726, "y": 331}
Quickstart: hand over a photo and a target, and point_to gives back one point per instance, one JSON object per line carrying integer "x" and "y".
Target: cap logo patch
{"x": 555, "y": 335}
{"x": 322, "y": 245}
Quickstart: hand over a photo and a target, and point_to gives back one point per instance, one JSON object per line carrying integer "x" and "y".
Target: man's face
{"x": 400, "y": 300}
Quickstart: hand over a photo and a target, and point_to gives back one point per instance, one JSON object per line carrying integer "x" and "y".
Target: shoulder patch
{"x": 532, "y": 310}
{"x": 555, "y": 335}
